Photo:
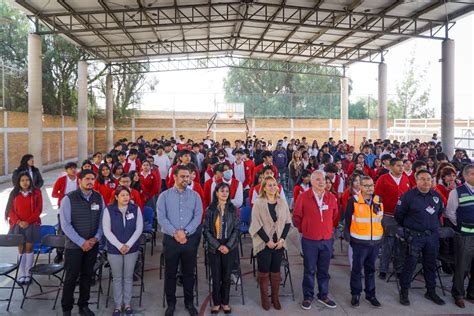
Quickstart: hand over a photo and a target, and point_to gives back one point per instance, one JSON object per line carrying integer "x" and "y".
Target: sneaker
{"x": 117, "y": 312}
{"x": 306, "y": 304}
{"x": 355, "y": 300}
{"x": 382, "y": 275}
{"x": 432, "y": 296}
{"x": 373, "y": 300}
{"x": 327, "y": 302}
{"x": 128, "y": 311}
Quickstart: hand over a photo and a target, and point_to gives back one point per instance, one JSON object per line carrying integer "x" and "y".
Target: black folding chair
{"x": 445, "y": 234}
{"x": 140, "y": 273}
{"x": 7, "y": 268}
{"x": 285, "y": 264}
{"x": 48, "y": 269}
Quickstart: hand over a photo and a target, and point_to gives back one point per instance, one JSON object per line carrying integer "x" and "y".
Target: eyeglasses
{"x": 368, "y": 186}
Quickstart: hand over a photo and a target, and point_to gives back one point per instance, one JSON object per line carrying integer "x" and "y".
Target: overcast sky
{"x": 199, "y": 90}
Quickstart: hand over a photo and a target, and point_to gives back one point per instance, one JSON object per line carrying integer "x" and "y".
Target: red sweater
{"x": 138, "y": 166}
{"x": 259, "y": 168}
{"x": 27, "y": 208}
{"x": 59, "y": 188}
{"x": 307, "y": 216}
{"x": 151, "y": 185}
{"x": 106, "y": 190}
{"x": 248, "y": 174}
{"x": 390, "y": 192}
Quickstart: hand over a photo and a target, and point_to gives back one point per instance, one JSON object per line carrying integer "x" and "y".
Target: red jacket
{"x": 248, "y": 174}
{"x": 138, "y": 169}
{"x": 390, "y": 192}
{"x": 367, "y": 171}
{"x": 95, "y": 168}
{"x": 151, "y": 185}
{"x": 59, "y": 188}
{"x": 26, "y": 208}
{"x": 134, "y": 197}
{"x": 297, "y": 190}
{"x": 106, "y": 190}
{"x": 307, "y": 216}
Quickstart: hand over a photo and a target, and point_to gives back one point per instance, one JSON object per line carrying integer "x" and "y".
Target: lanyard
{"x": 320, "y": 204}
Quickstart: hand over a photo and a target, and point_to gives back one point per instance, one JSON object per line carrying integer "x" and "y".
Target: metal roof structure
{"x": 331, "y": 32}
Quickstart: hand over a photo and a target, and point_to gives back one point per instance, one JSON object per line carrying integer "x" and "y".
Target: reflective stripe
{"x": 466, "y": 199}
{"x": 467, "y": 230}
{"x": 357, "y": 236}
{"x": 367, "y": 220}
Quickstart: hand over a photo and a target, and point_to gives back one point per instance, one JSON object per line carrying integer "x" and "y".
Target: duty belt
{"x": 416, "y": 233}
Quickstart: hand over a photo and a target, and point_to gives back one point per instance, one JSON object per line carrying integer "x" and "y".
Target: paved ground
{"x": 152, "y": 298}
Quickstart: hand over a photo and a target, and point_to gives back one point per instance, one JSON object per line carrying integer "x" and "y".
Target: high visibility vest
{"x": 366, "y": 221}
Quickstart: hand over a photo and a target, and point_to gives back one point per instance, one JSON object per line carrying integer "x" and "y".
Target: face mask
{"x": 228, "y": 174}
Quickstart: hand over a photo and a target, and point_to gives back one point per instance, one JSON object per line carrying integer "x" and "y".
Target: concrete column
{"x": 35, "y": 102}
{"x": 447, "y": 97}
{"x": 382, "y": 96}
{"x": 292, "y": 128}
{"x": 344, "y": 108}
{"x": 109, "y": 112}
{"x": 82, "y": 131}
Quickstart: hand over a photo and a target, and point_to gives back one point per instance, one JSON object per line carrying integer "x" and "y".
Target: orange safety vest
{"x": 367, "y": 224}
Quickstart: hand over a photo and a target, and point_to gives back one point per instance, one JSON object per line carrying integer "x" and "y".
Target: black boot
{"x": 355, "y": 300}
{"x": 404, "y": 297}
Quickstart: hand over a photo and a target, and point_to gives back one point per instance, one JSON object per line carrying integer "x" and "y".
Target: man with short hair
{"x": 313, "y": 215}
{"x": 80, "y": 215}
{"x": 179, "y": 215}
{"x": 418, "y": 212}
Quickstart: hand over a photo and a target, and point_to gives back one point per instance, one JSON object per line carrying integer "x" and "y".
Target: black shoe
{"x": 192, "y": 310}
{"x": 432, "y": 296}
{"x": 373, "y": 300}
{"x": 404, "y": 297}
{"x": 382, "y": 275}
{"x": 355, "y": 300}
{"x": 85, "y": 311}
{"x": 169, "y": 311}
{"x": 58, "y": 259}
{"x": 68, "y": 313}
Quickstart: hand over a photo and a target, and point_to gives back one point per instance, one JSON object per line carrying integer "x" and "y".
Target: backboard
{"x": 230, "y": 111}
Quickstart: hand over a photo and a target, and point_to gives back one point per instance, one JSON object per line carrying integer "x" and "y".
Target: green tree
{"x": 282, "y": 94}
{"x": 412, "y": 96}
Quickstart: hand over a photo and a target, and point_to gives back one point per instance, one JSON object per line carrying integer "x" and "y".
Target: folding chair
{"x": 7, "y": 268}
{"x": 141, "y": 273}
{"x": 37, "y": 248}
{"x": 394, "y": 231}
{"x": 245, "y": 218}
{"x": 445, "y": 233}
{"x": 285, "y": 264}
{"x": 237, "y": 272}
{"x": 148, "y": 229}
{"x": 48, "y": 269}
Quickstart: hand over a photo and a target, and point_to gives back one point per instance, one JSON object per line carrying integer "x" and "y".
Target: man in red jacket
{"x": 267, "y": 161}
{"x": 314, "y": 214}
{"x": 63, "y": 186}
{"x": 390, "y": 187}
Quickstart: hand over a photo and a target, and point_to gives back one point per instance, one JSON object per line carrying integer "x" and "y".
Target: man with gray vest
{"x": 80, "y": 214}
{"x": 460, "y": 211}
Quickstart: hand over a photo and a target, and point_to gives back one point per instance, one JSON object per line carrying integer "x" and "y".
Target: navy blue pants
{"x": 317, "y": 255}
{"x": 427, "y": 247}
{"x": 363, "y": 256}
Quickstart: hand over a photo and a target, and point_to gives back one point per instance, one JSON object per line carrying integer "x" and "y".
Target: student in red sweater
{"x": 267, "y": 171}
{"x": 196, "y": 187}
{"x": 302, "y": 185}
{"x": 360, "y": 158}
{"x": 151, "y": 184}
{"x": 135, "y": 197}
{"x": 23, "y": 210}
{"x": 446, "y": 183}
{"x": 97, "y": 161}
{"x": 105, "y": 183}
{"x": 66, "y": 183}
{"x": 184, "y": 158}
{"x": 313, "y": 215}
{"x": 132, "y": 163}
{"x": 417, "y": 165}
{"x": 267, "y": 161}
{"x": 218, "y": 171}
{"x": 390, "y": 188}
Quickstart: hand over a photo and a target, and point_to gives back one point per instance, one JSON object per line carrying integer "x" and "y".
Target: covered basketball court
{"x": 315, "y": 37}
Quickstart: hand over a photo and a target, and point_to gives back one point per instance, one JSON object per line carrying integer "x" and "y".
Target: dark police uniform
{"x": 418, "y": 213}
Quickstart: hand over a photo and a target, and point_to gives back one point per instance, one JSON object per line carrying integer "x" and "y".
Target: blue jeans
{"x": 317, "y": 255}
{"x": 364, "y": 256}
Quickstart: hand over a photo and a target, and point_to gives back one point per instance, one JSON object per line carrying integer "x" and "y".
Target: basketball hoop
{"x": 230, "y": 111}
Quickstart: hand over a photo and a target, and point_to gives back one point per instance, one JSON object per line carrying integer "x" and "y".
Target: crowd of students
{"x": 197, "y": 189}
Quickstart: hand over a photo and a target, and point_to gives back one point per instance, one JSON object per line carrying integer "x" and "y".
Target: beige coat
{"x": 261, "y": 218}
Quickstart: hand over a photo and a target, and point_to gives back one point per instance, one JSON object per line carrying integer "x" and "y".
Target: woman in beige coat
{"x": 271, "y": 222}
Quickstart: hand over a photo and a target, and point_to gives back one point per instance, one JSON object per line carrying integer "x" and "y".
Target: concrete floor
{"x": 152, "y": 297}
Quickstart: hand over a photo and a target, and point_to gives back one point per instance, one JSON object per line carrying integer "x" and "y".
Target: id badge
{"x": 430, "y": 210}
{"x": 129, "y": 216}
{"x": 324, "y": 207}
{"x": 95, "y": 207}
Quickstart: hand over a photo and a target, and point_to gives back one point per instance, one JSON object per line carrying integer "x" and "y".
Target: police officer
{"x": 418, "y": 212}
{"x": 460, "y": 211}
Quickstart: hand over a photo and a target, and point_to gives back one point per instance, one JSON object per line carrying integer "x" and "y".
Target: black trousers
{"x": 221, "y": 268}
{"x": 186, "y": 254}
{"x": 269, "y": 260}
{"x": 78, "y": 263}
{"x": 464, "y": 264}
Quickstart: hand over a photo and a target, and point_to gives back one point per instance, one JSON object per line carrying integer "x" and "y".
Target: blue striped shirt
{"x": 179, "y": 210}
